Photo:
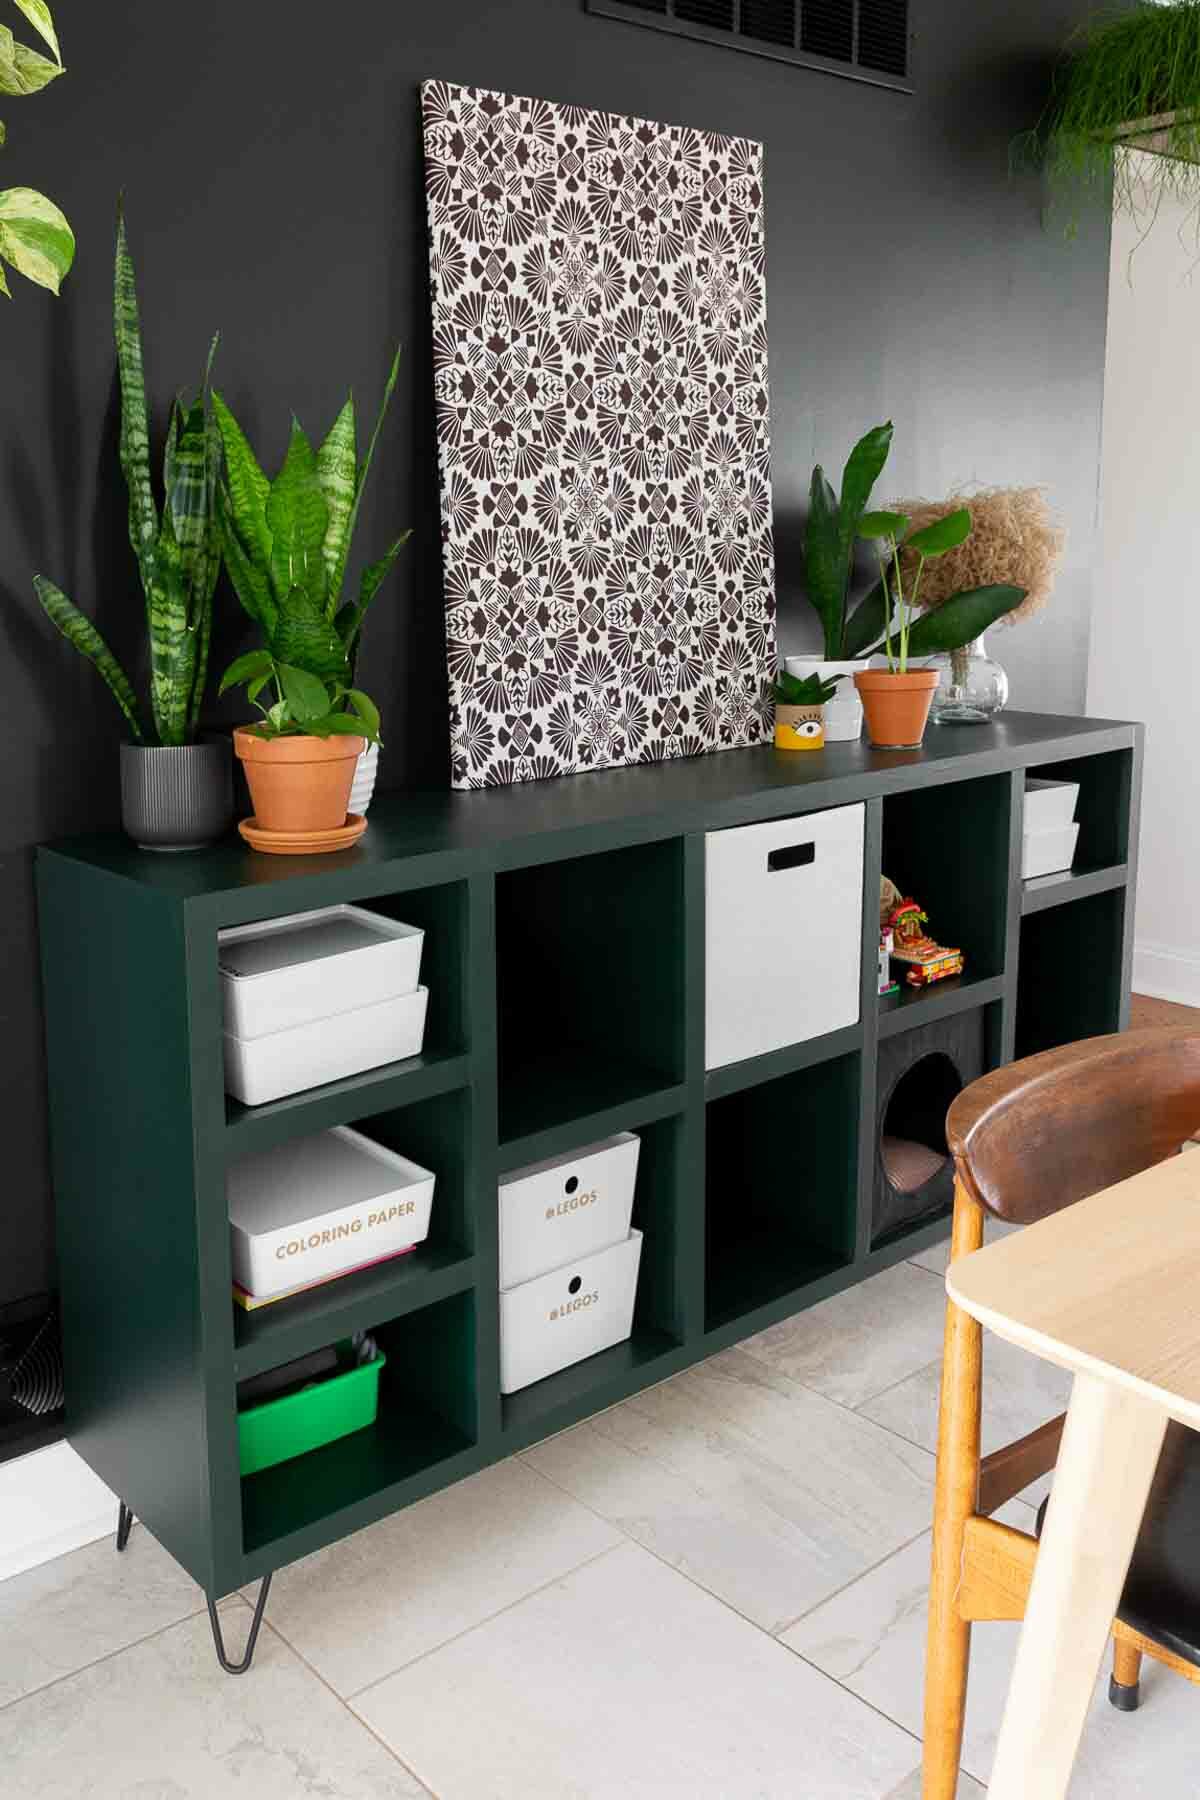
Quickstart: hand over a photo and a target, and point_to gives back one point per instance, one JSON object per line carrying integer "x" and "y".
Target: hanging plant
{"x": 1130, "y": 82}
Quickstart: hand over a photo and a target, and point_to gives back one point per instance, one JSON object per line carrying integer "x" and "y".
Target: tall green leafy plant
{"x": 35, "y": 238}
{"x": 177, "y": 550}
{"x": 286, "y": 544}
{"x": 836, "y": 521}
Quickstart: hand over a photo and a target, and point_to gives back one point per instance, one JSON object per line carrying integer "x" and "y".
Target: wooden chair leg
{"x": 1126, "y": 1675}
{"x": 955, "y": 1497}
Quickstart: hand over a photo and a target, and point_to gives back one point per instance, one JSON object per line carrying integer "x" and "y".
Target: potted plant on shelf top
{"x": 1130, "y": 81}
{"x": 897, "y": 699}
{"x": 35, "y": 238}
{"x": 854, "y": 633}
{"x": 176, "y": 788}
{"x": 800, "y": 703}
{"x": 286, "y": 543}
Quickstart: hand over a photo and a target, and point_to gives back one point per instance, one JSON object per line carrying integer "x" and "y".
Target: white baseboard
{"x": 1166, "y": 973}
{"x": 50, "y": 1502}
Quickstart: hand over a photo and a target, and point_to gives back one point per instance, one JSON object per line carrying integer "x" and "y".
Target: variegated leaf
{"x": 251, "y": 582}
{"x": 79, "y": 631}
{"x": 173, "y": 638}
{"x": 135, "y": 431}
{"x": 247, "y": 486}
{"x": 39, "y": 16}
{"x": 23, "y": 71}
{"x": 337, "y": 472}
{"x": 365, "y": 470}
{"x": 35, "y": 237}
{"x": 306, "y": 639}
{"x": 350, "y": 618}
{"x": 297, "y": 517}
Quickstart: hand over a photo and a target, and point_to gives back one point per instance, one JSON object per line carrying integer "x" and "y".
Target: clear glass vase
{"x": 972, "y": 687}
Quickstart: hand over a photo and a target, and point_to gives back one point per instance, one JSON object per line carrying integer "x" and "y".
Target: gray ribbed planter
{"x": 177, "y": 797}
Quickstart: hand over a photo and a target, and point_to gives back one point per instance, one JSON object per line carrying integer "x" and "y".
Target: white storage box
{"x": 320, "y": 1205}
{"x": 783, "y": 932}
{"x": 1046, "y": 852}
{"x": 312, "y": 965}
{"x": 1049, "y": 804}
{"x": 557, "y": 1211}
{"x": 258, "y": 1069}
{"x": 558, "y": 1319}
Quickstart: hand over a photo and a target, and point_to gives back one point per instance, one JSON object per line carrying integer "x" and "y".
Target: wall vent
{"x": 867, "y": 40}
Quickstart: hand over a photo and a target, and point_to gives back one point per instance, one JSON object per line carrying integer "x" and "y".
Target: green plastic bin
{"x": 280, "y": 1429}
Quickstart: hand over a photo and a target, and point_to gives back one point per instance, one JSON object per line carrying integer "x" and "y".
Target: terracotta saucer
{"x": 303, "y": 843}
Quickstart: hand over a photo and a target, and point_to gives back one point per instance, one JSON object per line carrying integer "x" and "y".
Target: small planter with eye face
{"x": 800, "y": 709}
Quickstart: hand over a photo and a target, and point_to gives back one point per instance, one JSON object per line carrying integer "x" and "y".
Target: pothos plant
{"x": 177, "y": 550}
{"x": 286, "y": 544}
{"x": 35, "y": 238}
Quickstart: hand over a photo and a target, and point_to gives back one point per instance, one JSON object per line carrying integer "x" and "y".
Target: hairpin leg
{"x": 124, "y": 1525}
{"x": 218, "y": 1638}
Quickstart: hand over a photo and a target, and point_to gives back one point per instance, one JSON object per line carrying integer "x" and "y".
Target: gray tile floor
{"x": 714, "y": 1592}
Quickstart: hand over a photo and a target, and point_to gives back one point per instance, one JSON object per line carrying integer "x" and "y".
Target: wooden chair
{"x": 1027, "y": 1140}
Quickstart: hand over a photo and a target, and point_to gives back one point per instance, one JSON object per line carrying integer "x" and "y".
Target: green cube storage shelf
{"x": 564, "y": 954}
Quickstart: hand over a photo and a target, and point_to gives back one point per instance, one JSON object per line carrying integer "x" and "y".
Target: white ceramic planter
{"x": 363, "y": 785}
{"x": 554, "y": 1212}
{"x": 321, "y": 1205}
{"x": 783, "y": 932}
{"x": 558, "y": 1319}
{"x": 844, "y": 713}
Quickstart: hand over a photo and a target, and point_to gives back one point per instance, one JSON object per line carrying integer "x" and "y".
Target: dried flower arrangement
{"x": 1014, "y": 539}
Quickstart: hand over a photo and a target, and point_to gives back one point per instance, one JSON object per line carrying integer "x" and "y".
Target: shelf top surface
{"x": 569, "y": 815}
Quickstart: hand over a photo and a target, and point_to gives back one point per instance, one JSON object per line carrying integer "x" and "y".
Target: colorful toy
{"x": 886, "y": 943}
{"x": 927, "y": 961}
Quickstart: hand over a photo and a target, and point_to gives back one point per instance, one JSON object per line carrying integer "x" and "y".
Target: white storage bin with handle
{"x": 1049, "y": 805}
{"x": 555, "y": 1320}
{"x": 783, "y": 932}
{"x": 556, "y": 1211}
{"x": 285, "y": 1062}
{"x": 320, "y": 1205}
{"x": 312, "y": 965}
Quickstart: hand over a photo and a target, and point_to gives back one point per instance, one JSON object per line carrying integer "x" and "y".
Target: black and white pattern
{"x": 600, "y": 369}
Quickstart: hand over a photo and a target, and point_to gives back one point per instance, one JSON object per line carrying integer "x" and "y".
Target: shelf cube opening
{"x": 1103, "y": 808}
{"x": 781, "y": 1185}
{"x": 427, "y": 1413}
{"x": 920, "y": 1074}
{"x": 1069, "y": 978}
{"x": 590, "y": 984}
{"x": 658, "y": 1321}
{"x": 947, "y": 848}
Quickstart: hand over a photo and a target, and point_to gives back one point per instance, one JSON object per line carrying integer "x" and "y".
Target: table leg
{"x": 1109, "y": 1454}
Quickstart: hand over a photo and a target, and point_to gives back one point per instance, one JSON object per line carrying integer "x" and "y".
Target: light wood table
{"x": 1110, "y": 1289}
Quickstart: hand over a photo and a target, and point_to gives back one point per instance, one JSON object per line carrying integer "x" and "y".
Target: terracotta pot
{"x": 298, "y": 783}
{"x": 897, "y": 706}
{"x": 799, "y": 727}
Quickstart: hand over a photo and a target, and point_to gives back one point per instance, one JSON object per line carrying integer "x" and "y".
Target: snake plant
{"x": 35, "y": 238}
{"x": 178, "y": 551}
{"x": 286, "y": 543}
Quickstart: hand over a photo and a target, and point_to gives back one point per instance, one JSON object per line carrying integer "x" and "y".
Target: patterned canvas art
{"x": 600, "y": 367}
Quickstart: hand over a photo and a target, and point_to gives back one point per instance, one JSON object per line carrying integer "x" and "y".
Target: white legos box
{"x": 554, "y": 1211}
{"x": 576, "y": 1311}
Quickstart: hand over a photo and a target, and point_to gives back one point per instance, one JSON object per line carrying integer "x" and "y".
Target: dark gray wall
{"x": 270, "y": 159}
